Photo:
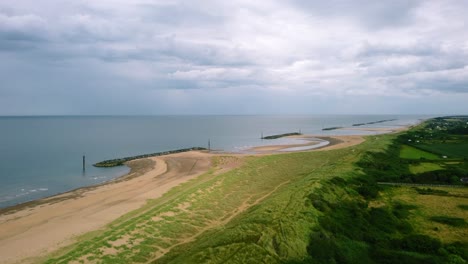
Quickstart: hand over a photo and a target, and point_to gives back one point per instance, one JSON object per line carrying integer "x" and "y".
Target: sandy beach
{"x": 34, "y": 230}
{"x": 40, "y": 227}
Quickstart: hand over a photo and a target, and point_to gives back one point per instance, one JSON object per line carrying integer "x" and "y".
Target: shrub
{"x": 451, "y": 221}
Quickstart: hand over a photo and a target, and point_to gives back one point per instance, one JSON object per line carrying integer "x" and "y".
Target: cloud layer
{"x": 246, "y": 57}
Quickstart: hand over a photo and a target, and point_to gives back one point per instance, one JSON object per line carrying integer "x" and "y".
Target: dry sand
{"x": 51, "y": 223}
{"x": 40, "y": 227}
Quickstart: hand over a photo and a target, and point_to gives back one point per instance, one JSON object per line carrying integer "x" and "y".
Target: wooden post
{"x": 84, "y": 162}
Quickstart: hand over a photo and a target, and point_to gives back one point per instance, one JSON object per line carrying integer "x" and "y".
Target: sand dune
{"x": 35, "y": 229}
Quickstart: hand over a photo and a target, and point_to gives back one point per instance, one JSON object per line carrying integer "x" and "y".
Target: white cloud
{"x": 264, "y": 49}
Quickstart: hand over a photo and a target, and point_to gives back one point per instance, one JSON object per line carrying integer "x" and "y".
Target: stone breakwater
{"x": 121, "y": 161}
{"x": 282, "y": 135}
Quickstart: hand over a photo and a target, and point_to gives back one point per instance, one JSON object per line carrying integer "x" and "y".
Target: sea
{"x": 41, "y": 156}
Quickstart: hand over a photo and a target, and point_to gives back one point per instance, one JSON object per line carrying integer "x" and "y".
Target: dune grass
{"x": 309, "y": 207}
{"x": 258, "y": 207}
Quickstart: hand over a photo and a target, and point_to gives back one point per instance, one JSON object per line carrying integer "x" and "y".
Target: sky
{"x": 144, "y": 57}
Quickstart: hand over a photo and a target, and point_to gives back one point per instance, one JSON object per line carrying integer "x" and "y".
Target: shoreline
{"x": 36, "y": 228}
{"x": 135, "y": 167}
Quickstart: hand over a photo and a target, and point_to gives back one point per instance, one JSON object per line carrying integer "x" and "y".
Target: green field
{"x": 429, "y": 207}
{"x": 424, "y": 167}
{"x": 451, "y": 150}
{"x": 408, "y": 152}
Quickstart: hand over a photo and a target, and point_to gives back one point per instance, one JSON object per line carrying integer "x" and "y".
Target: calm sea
{"x": 42, "y": 156}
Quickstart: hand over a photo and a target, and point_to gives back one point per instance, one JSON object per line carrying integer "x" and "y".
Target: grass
{"x": 255, "y": 212}
{"x": 286, "y": 208}
{"x": 451, "y": 150}
{"x": 430, "y": 191}
{"x": 424, "y": 167}
{"x": 443, "y": 202}
{"x": 408, "y": 152}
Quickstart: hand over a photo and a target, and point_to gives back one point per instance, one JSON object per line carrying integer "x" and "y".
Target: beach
{"x": 30, "y": 231}
{"x": 41, "y": 227}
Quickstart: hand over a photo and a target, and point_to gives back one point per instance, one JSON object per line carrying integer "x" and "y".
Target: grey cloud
{"x": 184, "y": 14}
{"x": 371, "y": 14}
{"x": 417, "y": 49}
{"x": 21, "y": 32}
{"x": 179, "y": 53}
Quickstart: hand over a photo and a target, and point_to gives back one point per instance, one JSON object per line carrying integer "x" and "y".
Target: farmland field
{"x": 451, "y": 150}
{"x": 424, "y": 167}
{"x": 408, "y": 152}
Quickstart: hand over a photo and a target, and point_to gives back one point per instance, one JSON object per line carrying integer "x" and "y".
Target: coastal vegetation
{"x": 121, "y": 161}
{"x": 308, "y": 207}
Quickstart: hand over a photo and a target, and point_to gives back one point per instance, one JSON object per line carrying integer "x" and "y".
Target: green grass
{"x": 451, "y": 150}
{"x": 435, "y": 202}
{"x": 253, "y": 213}
{"x": 424, "y": 167}
{"x": 286, "y": 208}
{"x": 408, "y": 152}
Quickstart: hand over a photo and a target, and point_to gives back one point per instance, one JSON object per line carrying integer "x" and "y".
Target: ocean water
{"x": 42, "y": 156}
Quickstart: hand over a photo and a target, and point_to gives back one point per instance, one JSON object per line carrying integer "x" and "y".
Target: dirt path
{"x": 246, "y": 204}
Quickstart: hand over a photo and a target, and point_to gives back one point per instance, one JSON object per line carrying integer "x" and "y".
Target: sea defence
{"x": 282, "y": 135}
{"x": 374, "y": 122}
{"x": 331, "y": 128}
{"x": 121, "y": 161}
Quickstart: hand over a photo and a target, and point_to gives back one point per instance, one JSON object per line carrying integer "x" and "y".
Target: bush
{"x": 322, "y": 248}
{"x": 451, "y": 221}
{"x": 426, "y": 191}
{"x": 418, "y": 243}
{"x": 370, "y": 191}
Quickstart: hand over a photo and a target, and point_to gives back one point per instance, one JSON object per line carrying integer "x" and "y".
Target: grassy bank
{"x": 310, "y": 207}
{"x": 263, "y": 201}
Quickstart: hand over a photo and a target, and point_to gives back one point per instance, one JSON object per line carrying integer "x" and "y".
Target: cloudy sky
{"x": 233, "y": 57}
